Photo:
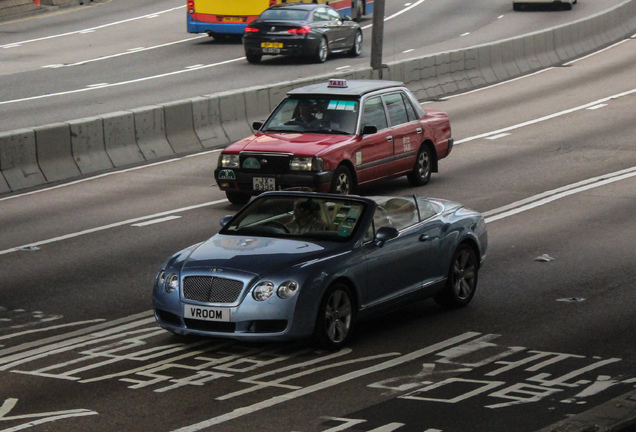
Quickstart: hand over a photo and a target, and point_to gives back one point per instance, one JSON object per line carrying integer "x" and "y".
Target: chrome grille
{"x": 211, "y": 289}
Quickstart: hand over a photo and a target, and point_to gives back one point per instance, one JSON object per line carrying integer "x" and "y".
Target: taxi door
{"x": 406, "y": 129}
{"x": 376, "y": 150}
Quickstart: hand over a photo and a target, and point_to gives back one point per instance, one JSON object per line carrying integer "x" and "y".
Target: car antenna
{"x": 419, "y": 216}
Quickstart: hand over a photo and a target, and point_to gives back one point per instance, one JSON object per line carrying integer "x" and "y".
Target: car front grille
{"x": 211, "y": 289}
{"x": 265, "y": 162}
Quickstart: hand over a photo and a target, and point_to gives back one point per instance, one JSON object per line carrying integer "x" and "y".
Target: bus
{"x": 229, "y": 17}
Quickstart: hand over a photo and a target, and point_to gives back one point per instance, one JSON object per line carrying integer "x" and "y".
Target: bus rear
{"x": 229, "y": 17}
{"x": 224, "y": 17}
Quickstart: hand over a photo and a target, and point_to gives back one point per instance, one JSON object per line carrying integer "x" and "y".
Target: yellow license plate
{"x": 271, "y": 44}
{"x": 232, "y": 19}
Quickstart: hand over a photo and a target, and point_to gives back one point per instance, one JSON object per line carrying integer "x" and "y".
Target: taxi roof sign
{"x": 340, "y": 83}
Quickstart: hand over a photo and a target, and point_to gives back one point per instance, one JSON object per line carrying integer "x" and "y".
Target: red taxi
{"x": 335, "y": 136}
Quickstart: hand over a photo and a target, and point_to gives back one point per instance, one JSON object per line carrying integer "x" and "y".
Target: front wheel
{"x": 335, "y": 319}
{"x": 322, "y": 52}
{"x": 237, "y": 198}
{"x": 342, "y": 183}
{"x": 421, "y": 173}
{"x": 462, "y": 279}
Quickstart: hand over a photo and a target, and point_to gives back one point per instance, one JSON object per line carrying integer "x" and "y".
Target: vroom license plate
{"x": 206, "y": 313}
{"x": 264, "y": 184}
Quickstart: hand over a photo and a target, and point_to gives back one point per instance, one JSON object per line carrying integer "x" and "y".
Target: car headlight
{"x": 287, "y": 289}
{"x": 263, "y": 291}
{"x": 306, "y": 163}
{"x": 229, "y": 160}
{"x": 161, "y": 278}
{"x": 172, "y": 283}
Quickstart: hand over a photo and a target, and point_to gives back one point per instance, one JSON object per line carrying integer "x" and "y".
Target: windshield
{"x": 315, "y": 115}
{"x": 298, "y": 217}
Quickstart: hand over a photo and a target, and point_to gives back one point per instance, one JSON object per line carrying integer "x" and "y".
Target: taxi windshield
{"x": 315, "y": 115}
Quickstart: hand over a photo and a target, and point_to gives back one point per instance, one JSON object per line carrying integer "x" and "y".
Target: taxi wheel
{"x": 335, "y": 319}
{"x": 237, "y": 198}
{"x": 342, "y": 182}
{"x": 421, "y": 173}
{"x": 322, "y": 52}
{"x": 356, "y": 49}
{"x": 462, "y": 279}
{"x": 253, "y": 58}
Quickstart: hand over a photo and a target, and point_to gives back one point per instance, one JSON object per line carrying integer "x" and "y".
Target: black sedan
{"x": 297, "y": 29}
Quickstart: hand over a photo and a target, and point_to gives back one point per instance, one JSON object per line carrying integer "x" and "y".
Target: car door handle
{"x": 389, "y": 138}
{"x": 423, "y": 237}
{"x": 418, "y": 130}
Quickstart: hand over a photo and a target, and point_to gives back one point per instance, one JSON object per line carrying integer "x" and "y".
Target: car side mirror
{"x": 347, "y": 18}
{"x": 225, "y": 220}
{"x": 384, "y": 234}
{"x": 257, "y": 125}
{"x": 369, "y": 130}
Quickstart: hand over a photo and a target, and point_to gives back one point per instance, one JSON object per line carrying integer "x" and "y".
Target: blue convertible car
{"x": 302, "y": 264}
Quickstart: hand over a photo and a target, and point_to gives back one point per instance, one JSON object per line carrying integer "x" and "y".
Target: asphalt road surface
{"x": 123, "y": 54}
{"x": 549, "y": 159}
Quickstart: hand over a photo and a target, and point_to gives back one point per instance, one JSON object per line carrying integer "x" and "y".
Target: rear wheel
{"x": 342, "y": 182}
{"x": 462, "y": 279}
{"x": 356, "y": 49}
{"x": 336, "y": 317}
{"x": 359, "y": 11}
{"x": 253, "y": 58}
{"x": 421, "y": 173}
{"x": 237, "y": 198}
{"x": 322, "y": 52}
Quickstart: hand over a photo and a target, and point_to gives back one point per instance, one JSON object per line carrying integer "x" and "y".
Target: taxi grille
{"x": 265, "y": 162}
{"x": 211, "y": 289}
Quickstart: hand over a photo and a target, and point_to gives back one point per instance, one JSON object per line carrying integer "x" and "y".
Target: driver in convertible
{"x": 306, "y": 218}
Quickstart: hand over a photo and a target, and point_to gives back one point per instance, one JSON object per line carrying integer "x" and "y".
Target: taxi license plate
{"x": 206, "y": 313}
{"x": 271, "y": 44}
{"x": 264, "y": 184}
{"x": 232, "y": 19}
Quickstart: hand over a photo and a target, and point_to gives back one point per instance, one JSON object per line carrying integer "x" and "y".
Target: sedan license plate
{"x": 264, "y": 184}
{"x": 205, "y": 313}
{"x": 271, "y": 44}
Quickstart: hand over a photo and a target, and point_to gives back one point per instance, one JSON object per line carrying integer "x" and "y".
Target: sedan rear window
{"x": 285, "y": 15}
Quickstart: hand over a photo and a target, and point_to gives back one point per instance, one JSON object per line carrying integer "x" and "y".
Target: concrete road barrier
{"x": 213, "y": 121}
{"x": 56, "y": 157}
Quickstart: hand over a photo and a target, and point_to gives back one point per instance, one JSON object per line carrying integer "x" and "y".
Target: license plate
{"x": 232, "y": 19}
{"x": 271, "y": 44}
{"x": 264, "y": 184}
{"x": 271, "y": 50}
{"x": 205, "y": 313}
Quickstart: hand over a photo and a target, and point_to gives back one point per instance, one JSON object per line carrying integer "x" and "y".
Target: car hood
{"x": 258, "y": 255}
{"x": 306, "y": 144}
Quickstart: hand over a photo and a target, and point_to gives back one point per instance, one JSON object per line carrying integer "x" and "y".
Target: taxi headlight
{"x": 229, "y": 160}
{"x": 287, "y": 289}
{"x": 263, "y": 291}
{"x": 172, "y": 283}
{"x": 306, "y": 163}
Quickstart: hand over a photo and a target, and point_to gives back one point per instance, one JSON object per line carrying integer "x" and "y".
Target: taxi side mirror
{"x": 257, "y": 125}
{"x": 369, "y": 130}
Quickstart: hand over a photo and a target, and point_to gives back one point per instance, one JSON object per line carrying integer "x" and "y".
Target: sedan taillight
{"x": 303, "y": 29}
{"x": 249, "y": 29}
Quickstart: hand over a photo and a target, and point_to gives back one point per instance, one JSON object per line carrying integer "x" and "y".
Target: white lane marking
{"x": 59, "y": 326}
{"x": 14, "y": 44}
{"x": 113, "y": 225}
{"x": 595, "y": 107}
{"x": 127, "y": 52}
{"x": 155, "y": 221}
{"x": 555, "y": 194}
{"x": 547, "y": 117}
{"x": 390, "y": 17}
{"x": 494, "y": 137}
{"x": 10, "y": 403}
{"x": 122, "y": 83}
{"x": 240, "y": 412}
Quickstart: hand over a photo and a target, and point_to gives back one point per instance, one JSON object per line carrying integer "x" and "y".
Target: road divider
{"x": 31, "y": 158}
